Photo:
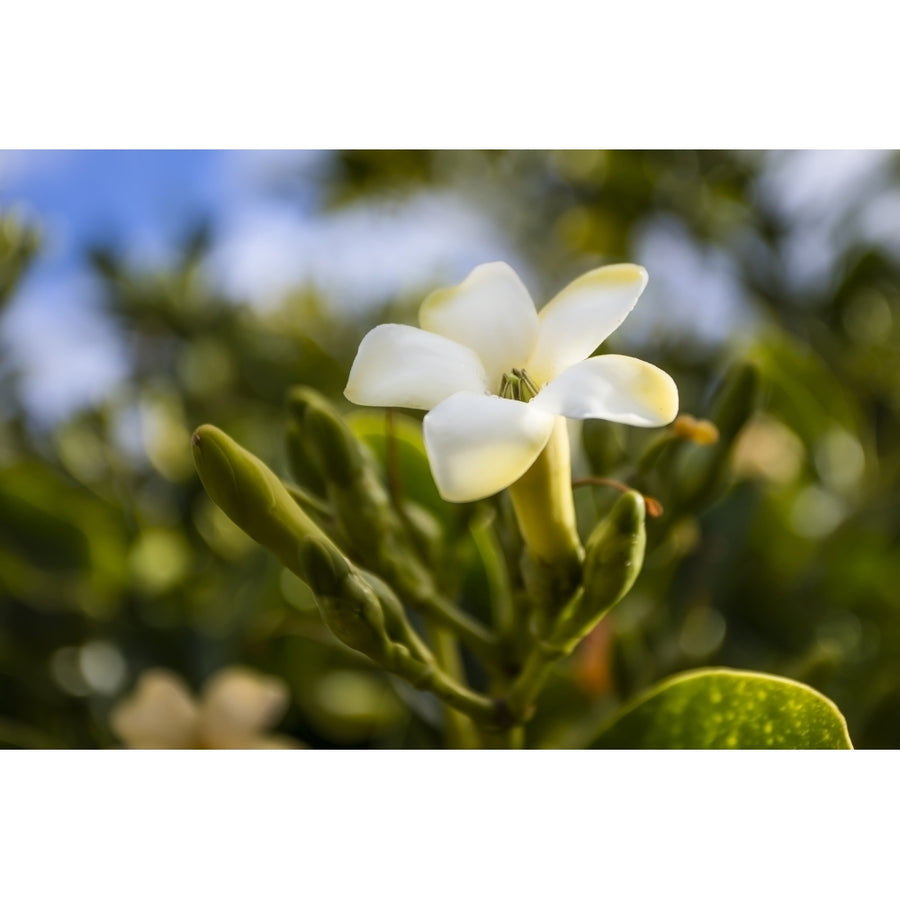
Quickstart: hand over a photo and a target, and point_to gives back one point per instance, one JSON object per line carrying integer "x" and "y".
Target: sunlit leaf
{"x": 720, "y": 709}
{"x": 403, "y": 454}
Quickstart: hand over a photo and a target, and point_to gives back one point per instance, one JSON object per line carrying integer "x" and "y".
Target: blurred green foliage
{"x": 776, "y": 550}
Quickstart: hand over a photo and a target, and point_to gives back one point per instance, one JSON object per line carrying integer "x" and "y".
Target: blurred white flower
{"x": 495, "y": 374}
{"x": 234, "y": 709}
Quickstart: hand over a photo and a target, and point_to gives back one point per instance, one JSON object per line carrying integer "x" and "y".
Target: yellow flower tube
{"x": 545, "y": 509}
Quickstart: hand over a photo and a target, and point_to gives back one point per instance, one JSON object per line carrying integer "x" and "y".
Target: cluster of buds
{"x": 359, "y": 605}
{"x": 376, "y": 562}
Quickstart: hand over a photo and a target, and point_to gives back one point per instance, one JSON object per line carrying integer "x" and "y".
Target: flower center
{"x": 517, "y": 385}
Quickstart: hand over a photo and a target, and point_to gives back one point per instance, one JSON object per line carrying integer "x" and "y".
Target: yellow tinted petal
{"x": 491, "y": 312}
{"x": 582, "y": 316}
{"x": 398, "y": 365}
{"x": 615, "y": 388}
{"x": 478, "y": 445}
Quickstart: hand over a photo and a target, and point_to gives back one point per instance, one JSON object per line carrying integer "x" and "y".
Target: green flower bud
{"x": 369, "y": 523}
{"x": 252, "y": 496}
{"x": 302, "y": 465}
{"x": 326, "y": 567}
{"x": 336, "y": 450}
{"x": 348, "y": 604}
{"x": 365, "y": 614}
{"x": 360, "y": 500}
{"x": 306, "y": 462}
{"x": 362, "y": 611}
{"x": 398, "y": 625}
{"x": 613, "y": 558}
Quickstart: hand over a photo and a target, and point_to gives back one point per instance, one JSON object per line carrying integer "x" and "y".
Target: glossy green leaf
{"x": 411, "y": 461}
{"x": 722, "y": 709}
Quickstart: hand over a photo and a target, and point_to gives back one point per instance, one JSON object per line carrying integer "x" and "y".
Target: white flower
{"x": 483, "y": 339}
{"x": 235, "y": 709}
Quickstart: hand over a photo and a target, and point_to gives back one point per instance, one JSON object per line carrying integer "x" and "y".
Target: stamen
{"x": 531, "y": 387}
{"x": 509, "y": 386}
{"x": 518, "y": 385}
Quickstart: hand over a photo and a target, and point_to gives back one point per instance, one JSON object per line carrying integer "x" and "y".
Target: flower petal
{"x": 239, "y": 703}
{"x": 398, "y": 365}
{"x": 491, "y": 312}
{"x": 478, "y": 445}
{"x": 159, "y": 714}
{"x": 582, "y": 316}
{"x": 615, "y": 388}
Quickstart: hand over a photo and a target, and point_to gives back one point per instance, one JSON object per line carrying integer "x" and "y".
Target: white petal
{"x": 582, "y": 316}
{"x": 398, "y": 365}
{"x": 615, "y": 388}
{"x": 240, "y": 699}
{"x": 478, "y": 445}
{"x": 239, "y": 703}
{"x": 491, "y": 312}
{"x": 159, "y": 714}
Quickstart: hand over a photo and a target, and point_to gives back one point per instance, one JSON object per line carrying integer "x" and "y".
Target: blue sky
{"x": 136, "y": 198}
{"x": 143, "y": 202}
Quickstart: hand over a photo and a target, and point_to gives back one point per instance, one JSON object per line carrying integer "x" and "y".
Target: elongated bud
{"x": 614, "y": 554}
{"x": 326, "y": 568}
{"x": 303, "y": 467}
{"x": 398, "y": 625}
{"x": 348, "y": 604}
{"x": 357, "y": 495}
{"x": 335, "y": 449}
{"x": 304, "y": 462}
{"x": 252, "y": 496}
{"x": 368, "y": 520}
{"x": 359, "y": 612}
{"x": 613, "y": 560}
{"x": 365, "y": 614}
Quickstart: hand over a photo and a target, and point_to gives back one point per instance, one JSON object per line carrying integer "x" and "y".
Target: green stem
{"x": 520, "y": 699}
{"x": 469, "y": 630}
{"x": 478, "y": 707}
{"x": 509, "y": 615}
{"x": 515, "y": 737}
{"x": 308, "y": 501}
{"x": 392, "y": 461}
{"x": 461, "y": 733}
{"x": 510, "y": 738}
